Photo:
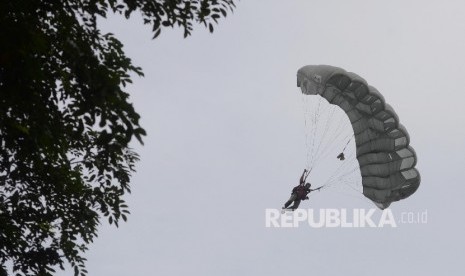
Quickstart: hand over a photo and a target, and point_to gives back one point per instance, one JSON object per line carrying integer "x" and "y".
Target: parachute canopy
{"x": 382, "y": 144}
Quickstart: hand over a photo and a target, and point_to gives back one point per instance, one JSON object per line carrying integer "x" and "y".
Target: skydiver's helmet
{"x": 308, "y": 185}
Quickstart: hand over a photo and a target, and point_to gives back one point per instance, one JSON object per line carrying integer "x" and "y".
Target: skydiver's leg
{"x": 291, "y": 199}
{"x": 296, "y": 204}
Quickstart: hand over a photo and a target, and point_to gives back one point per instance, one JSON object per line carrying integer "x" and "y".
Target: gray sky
{"x": 226, "y": 140}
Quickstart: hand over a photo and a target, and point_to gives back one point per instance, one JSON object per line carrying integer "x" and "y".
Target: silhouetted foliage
{"x": 66, "y": 123}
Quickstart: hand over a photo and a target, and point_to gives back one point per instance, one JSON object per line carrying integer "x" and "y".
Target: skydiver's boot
{"x": 287, "y": 203}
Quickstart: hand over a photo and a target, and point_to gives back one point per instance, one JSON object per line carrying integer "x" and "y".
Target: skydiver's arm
{"x": 311, "y": 190}
{"x": 303, "y": 177}
{"x": 308, "y": 173}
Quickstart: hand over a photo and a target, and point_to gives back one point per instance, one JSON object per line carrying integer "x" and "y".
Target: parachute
{"x": 386, "y": 161}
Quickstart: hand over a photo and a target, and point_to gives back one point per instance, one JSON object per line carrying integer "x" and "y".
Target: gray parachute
{"x": 382, "y": 144}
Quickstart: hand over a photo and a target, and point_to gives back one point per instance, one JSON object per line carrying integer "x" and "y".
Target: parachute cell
{"x": 382, "y": 144}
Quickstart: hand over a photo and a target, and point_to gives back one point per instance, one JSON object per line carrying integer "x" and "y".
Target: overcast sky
{"x": 226, "y": 141}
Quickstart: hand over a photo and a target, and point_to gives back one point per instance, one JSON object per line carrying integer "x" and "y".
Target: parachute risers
{"x": 385, "y": 158}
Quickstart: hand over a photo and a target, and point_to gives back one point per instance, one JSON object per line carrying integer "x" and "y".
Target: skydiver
{"x": 299, "y": 192}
